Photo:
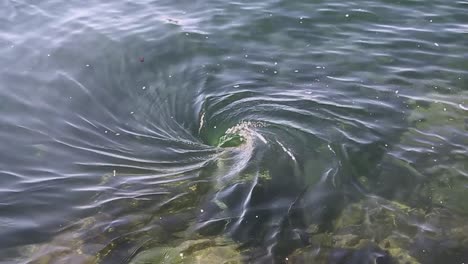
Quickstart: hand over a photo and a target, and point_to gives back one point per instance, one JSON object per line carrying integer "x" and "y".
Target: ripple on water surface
{"x": 264, "y": 131}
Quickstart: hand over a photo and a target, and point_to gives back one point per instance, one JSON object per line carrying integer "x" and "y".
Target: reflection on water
{"x": 236, "y": 132}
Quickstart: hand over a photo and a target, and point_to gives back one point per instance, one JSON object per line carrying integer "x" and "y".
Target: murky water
{"x": 250, "y": 132}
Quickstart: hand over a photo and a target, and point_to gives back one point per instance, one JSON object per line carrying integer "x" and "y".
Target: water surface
{"x": 113, "y": 113}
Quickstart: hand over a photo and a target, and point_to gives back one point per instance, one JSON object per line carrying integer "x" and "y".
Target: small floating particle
{"x": 445, "y": 109}
{"x": 276, "y": 63}
{"x": 275, "y": 72}
{"x": 256, "y": 216}
{"x": 48, "y": 55}
{"x": 87, "y": 65}
{"x": 117, "y": 134}
{"x": 286, "y": 259}
{"x": 170, "y": 76}
{"x": 296, "y": 70}
{"x": 143, "y": 88}
{"x": 113, "y": 172}
{"x": 132, "y": 113}
{"x": 201, "y": 210}
{"x": 436, "y": 44}
{"x": 430, "y": 20}
{"x": 181, "y": 255}
{"x": 105, "y": 131}
{"x": 347, "y": 15}
{"x": 236, "y": 86}
{"x": 246, "y": 55}
{"x": 396, "y": 91}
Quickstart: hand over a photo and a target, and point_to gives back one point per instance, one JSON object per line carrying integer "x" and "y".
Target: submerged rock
{"x": 207, "y": 251}
{"x": 428, "y": 167}
{"x": 437, "y": 148}
{"x": 67, "y": 247}
{"x": 367, "y": 254}
{"x": 400, "y": 233}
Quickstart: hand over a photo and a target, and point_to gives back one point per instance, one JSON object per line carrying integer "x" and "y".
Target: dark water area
{"x": 234, "y": 131}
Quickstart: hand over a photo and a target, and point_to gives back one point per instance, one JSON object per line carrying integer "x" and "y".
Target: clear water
{"x": 112, "y": 112}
